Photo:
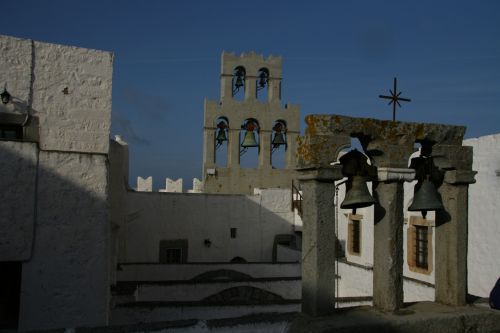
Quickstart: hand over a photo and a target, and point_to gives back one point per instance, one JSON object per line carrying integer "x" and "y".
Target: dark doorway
{"x": 10, "y": 289}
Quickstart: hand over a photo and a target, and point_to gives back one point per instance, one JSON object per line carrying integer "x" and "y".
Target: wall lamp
{"x": 5, "y": 96}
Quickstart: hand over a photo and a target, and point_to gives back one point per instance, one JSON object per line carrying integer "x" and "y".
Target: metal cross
{"x": 395, "y": 99}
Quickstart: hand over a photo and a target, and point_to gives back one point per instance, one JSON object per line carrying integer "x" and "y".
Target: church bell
{"x": 221, "y": 136}
{"x": 249, "y": 140}
{"x": 426, "y": 198}
{"x": 358, "y": 195}
{"x": 279, "y": 139}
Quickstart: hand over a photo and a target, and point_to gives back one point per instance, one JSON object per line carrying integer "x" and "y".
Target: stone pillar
{"x": 291, "y": 149}
{"x": 388, "y": 238}
{"x": 318, "y": 240}
{"x": 250, "y": 88}
{"x": 451, "y": 224}
{"x": 209, "y": 148}
{"x": 265, "y": 149}
{"x": 233, "y": 149}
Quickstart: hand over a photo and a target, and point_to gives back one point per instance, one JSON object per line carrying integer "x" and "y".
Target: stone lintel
{"x": 395, "y": 174}
{"x": 456, "y": 177}
{"x": 327, "y": 174}
{"x": 392, "y": 132}
{"x": 320, "y": 150}
{"x": 449, "y": 157}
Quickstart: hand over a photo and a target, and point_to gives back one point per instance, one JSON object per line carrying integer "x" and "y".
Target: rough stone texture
{"x": 232, "y": 178}
{"x": 65, "y": 284}
{"x": 451, "y": 228}
{"x": 375, "y": 136}
{"x": 484, "y": 196}
{"x": 18, "y": 164}
{"x": 72, "y": 97}
{"x": 318, "y": 246}
{"x": 421, "y": 317}
{"x": 388, "y": 246}
{"x": 16, "y": 69}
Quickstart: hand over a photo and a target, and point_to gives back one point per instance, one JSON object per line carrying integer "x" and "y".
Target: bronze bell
{"x": 249, "y": 140}
{"x": 358, "y": 195}
{"x": 426, "y": 198}
{"x": 278, "y": 140}
{"x": 221, "y": 136}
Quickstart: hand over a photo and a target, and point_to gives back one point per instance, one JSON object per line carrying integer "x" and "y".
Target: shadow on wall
{"x": 54, "y": 238}
{"x": 242, "y": 226}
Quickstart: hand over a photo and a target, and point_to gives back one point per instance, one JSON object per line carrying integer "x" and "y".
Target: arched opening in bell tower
{"x": 221, "y": 138}
{"x": 239, "y": 83}
{"x": 262, "y": 85}
{"x": 278, "y": 144}
{"x": 249, "y": 143}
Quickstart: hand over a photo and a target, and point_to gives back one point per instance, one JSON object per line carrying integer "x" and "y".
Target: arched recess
{"x": 249, "y": 143}
{"x": 221, "y": 274}
{"x": 244, "y": 294}
{"x": 262, "y": 85}
{"x": 239, "y": 83}
{"x": 278, "y": 144}
{"x": 221, "y": 141}
{"x": 237, "y": 260}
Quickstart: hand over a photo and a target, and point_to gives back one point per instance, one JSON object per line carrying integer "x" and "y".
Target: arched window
{"x": 221, "y": 140}
{"x": 249, "y": 143}
{"x": 262, "y": 84}
{"x": 238, "y": 83}
{"x": 278, "y": 144}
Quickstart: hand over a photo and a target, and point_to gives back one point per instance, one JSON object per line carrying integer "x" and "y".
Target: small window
{"x": 233, "y": 232}
{"x": 354, "y": 234}
{"x": 173, "y": 256}
{"x": 173, "y": 251}
{"x": 419, "y": 247}
{"x": 11, "y": 132}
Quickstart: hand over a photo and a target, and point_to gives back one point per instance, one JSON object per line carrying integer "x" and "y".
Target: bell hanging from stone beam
{"x": 221, "y": 136}
{"x": 279, "y": 139}
{"x": 249, "y": 140}
{"x": 358, "y": 195}
{"x": 426, "y": 198}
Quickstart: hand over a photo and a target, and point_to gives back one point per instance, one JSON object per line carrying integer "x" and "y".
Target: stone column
{"x": 250, "y": 88}
{"x": 318, "y": 240}
{"x": 209, "y": 148}
{"x": 291, "y": 149}
{"x": 233, "y": 147}
{"x": 388, "y": 238}
{"x": 451, "y": 224}
{"x": 265, "y": 149}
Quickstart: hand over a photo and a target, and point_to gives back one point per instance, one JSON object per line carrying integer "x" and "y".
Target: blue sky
{"x": 338, "y": 56}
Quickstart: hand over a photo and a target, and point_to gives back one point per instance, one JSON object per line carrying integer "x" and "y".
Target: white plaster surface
{"x": 152, "y": 217}
{"x": 65, "y": 283}
{"x": 173, "y": 186}
{"x": 288, "y": 289}
{"x": 144, "y": 184}
{"x": 158, "y": 272}
{"x": 124, "y": 315}
{"x": 18, "y": 165}
{"x": 77, "y": 118}
{"x": 484, "y": 227}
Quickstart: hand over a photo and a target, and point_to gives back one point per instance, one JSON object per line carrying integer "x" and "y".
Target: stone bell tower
{"x": 248, "y": 116}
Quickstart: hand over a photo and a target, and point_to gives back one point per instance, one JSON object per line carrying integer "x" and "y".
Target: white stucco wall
{"x": 65, "y": 283}
{"x": 484, "y": 227}
{"x": 158, "y": 272}
{"x": 151, "y": 217}
{"x": 288, "y": 289}
{"x": 64, "y": 178}
{"x": 18, "y": 165}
